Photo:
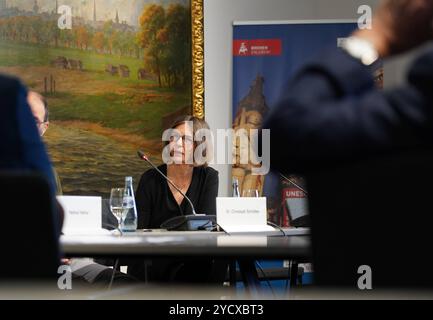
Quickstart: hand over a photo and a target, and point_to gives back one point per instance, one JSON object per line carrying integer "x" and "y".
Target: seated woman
{"x": 157, "y": 202}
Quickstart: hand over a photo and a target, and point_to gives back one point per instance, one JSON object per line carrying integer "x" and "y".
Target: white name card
{"x": 242, "y": 214}
{"x": 83, "y": 215}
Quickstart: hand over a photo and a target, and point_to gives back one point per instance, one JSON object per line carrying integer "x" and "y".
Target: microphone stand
{"x": 177, "y": 222}
{"x": 143, "y": 156}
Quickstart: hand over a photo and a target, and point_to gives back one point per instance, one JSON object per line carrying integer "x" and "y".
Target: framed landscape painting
{"x": 114, "y": 78}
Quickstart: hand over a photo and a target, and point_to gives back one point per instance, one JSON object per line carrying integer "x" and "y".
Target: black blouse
{"x": 156, "y": 203}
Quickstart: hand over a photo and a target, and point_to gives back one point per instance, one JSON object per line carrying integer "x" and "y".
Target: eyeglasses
{"x": 39, "y": 123}
{"x": 185, "y": 139}
{"x": 41, "y": 126}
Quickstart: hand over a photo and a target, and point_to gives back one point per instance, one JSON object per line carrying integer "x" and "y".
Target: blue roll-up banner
{"x": 265, "y": 57}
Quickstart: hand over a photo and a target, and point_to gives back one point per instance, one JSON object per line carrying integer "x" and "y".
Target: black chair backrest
{"x": 376, "y": 212}
{"x": 28, "y": 244}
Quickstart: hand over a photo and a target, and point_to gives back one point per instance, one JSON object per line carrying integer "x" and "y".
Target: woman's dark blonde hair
{"x": 197, "y": 123}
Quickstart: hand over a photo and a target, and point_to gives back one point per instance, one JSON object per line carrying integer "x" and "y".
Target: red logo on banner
{"x": 258, "y": 47}
{"x": 293, "y": 193}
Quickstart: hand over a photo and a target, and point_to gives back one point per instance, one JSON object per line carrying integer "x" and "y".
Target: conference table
{"x": 244, "y": 248}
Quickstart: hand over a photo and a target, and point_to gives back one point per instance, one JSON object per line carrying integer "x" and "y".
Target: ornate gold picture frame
{"x": 197, "y": 21}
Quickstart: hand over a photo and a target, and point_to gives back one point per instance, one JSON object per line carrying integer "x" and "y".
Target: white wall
{"x": 219, "y": 16}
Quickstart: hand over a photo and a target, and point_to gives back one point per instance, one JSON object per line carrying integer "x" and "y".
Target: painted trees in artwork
{"x": 167, "y": 46}
{"x": 99, "y": 42}
{"x": 150, "y": 37}
{"x": 178, "y": 46}
{"x": 82, "y": 37}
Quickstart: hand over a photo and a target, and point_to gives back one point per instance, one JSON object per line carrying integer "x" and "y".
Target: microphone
{"x": 192, "y": 222}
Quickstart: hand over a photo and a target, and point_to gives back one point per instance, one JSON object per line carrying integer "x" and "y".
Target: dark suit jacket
{"x": 21, "y": 148}
{"x": 332, "y": 112}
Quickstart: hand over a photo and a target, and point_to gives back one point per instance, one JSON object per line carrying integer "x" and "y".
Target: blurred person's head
{"x": 39, "y": 107}
{"x": 183, "y": 144}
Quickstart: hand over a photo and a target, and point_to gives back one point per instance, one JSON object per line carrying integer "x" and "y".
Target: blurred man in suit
{"x": 333, "y": 112}
{"x": 21, "y": 148}
{"x": 22, "y": 152}
{"x": 345, "y": 134}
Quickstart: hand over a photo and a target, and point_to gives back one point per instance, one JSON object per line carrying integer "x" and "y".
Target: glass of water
{"x": 119, "y": 205}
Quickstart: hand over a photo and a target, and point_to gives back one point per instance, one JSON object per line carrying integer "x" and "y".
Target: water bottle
{"x": 235, "y": 183}
{"x": 129, "y": 223}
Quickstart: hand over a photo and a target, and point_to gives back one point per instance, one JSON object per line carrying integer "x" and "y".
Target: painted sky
{"x": 129, "y": 10}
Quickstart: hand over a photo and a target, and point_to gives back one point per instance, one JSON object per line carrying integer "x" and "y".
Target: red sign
{"x": 258, "y": 47}
{"x": 293, "y": 193}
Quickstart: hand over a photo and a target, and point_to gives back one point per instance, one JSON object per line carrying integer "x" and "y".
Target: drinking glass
{"x": 118, "y": 205}
{"x": 250, "y": 193}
